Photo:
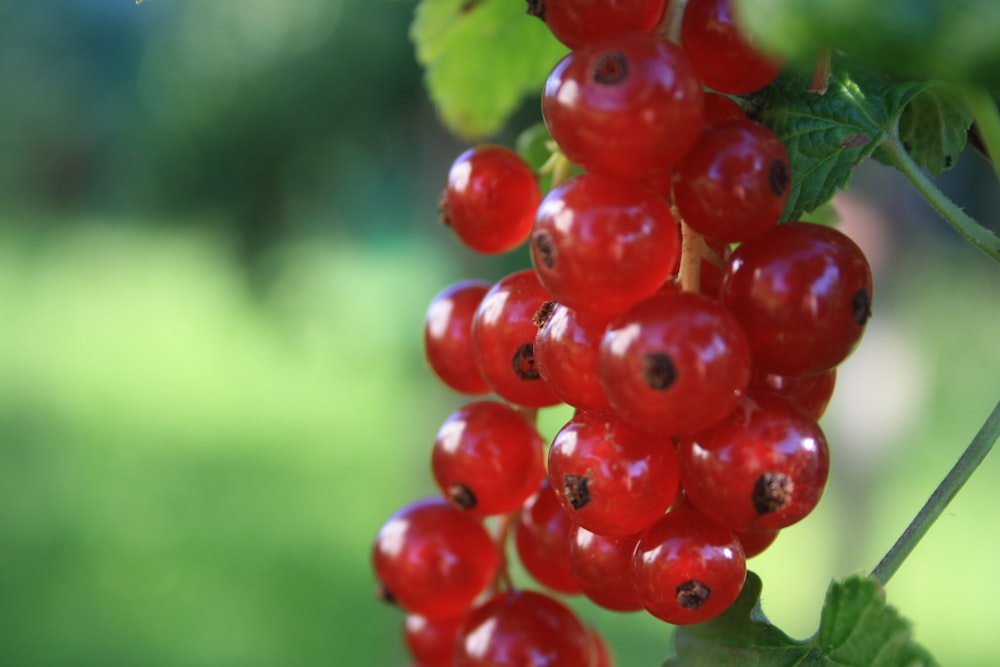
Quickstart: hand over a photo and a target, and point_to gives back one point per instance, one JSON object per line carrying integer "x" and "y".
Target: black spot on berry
{"x": 545, "y": 249}
{"x": 462, "y": 496}
{"x": 778, "y": 177}
{"x": 861, "y": 306}
{"x": 772, "y": 491}
{"x": 537, "y": 8}
{"x": 543, "y": 314}
{"x": 576, "y": 490}
{"x": 610, "y": 68}
{"x": 658, "y": 371}
{"x": 524, "y": 363}
{"x": 692, "y": 594}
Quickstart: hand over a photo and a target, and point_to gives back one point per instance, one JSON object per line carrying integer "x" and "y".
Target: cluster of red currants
{"x": 695, "y": 337}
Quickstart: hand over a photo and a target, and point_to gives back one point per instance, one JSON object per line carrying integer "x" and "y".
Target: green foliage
{"x": 857, "y": 628}
{"x": 482, "y": 58}
{"x": 955, "y": 40}
{"x": 934, "y": 128}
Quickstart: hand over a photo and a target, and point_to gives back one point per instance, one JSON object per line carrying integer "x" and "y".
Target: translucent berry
{"x": 579, "y": 22}
{"x": 542, "y": 538}
{"x": 448, "y": 336}
{"x": 567, "y": 355}
{"x": 601, "y": 567}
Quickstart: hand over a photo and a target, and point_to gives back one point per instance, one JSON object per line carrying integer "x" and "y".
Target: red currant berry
{"x": 433, "y": 559}
{"x": 503, "y": 338}
{"x": 601, "y": 566}
{"x": 734, "y": 182}
{"x": 599, "y": 651}
{"x": 812, "y": 393}
{"x": 567, "y": 355}
{"x": 723, "y": 55}
{"x": 448, "y": 336}
{"x": 612, "y": 478}
{"x": 687, "y": 569}
{"x": 675, "y": 363}
{"x": 579, "y": 22}
{"x": 490, "y": 199}
{"x": 432, "y": 642}
{"x": 626, "y": 106}
{"x": 601, "y": 245}
{"x": 803, "y": 295}
{"x": 719, "y": 109}
{"x": 522, "y": 629}
{"x": 763, "y": 467}
{"x": 755, "y": 542}
{"x": 488, "y": 458}
{"x": 542, "y": 537}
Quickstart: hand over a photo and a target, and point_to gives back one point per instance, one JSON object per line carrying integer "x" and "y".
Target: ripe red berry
{"x": 490, "y": 199}
{"x": 812, "y": 393}
{"x": 719, "y": 109}
{"x": 803, "y": 294}
{"x": 755, "y": 542}
{"x": 723, "y": 55}
{"x": 522, "y": 629}
{"x": 431, "y": 642}
{"x": 542, "y": 538}
{"x": 601, "y": 567}
{"x": 734, "y": 182}
{"x": 503, "y": 338}
{"x": 488, "y": 458}
{"x": 448, "y": 336}
{"x": 567, "y": 355}
{"x": 626, "y": 106}
{"x": 675, "y": 363}
{"x": 601, "y": 245}
{"x": 764, "y": 467}
{"x": 687, "y": 569}
{"x": 433, "y": 559}
{"x": 613, "y": 479}
{"x": 579, "y": 22}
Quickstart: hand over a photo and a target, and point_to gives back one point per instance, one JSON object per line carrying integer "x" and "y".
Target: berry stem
{"x": 503, "y": 583}
{"x": 943, "y": 494}
{"x": 670, "y": 27}
{"x": 821, "y": 74}
{"x": 692, "y": 252}
{"x": 964, "y": 224}
{"x": 987, "y": 116}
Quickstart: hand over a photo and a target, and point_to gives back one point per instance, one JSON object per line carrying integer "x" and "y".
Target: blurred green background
{"x": 217, "y": 241}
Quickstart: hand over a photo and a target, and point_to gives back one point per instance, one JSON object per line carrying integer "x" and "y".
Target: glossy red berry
{"x": 433, "y": 559}
{"x": 756, "y": 542}
{"x": 675, "y": 363}
{"x": 734, "y": 182}
{"x": 612, "y": 478}
{"x": 764, "y": 467}
{"x": 503, "y": 338}
{"x": 579, "y": 22}
{"x": 719, "y": 109}
{"x": 601, "y": 245}
{"x": 490, "y": 199}
{"x": 812, "y": 393}
{"x": 803, "y": 294}
{"x": 567, "y": 355}
{"x": 488, "y": 458}
{"x": 599, "y": 651}
{"x": 431, "y": 642}
{"x": 626, "y": 106}
{"x": 542, "y": 538}
{"x": 601, "y": 567}
{"x": 522, "y": 629}
{"x": 687, "y": 569}
{"x": 448, "y": 336}
{"x": 724, "y": 56}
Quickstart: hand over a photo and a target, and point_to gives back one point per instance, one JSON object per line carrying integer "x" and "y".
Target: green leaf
{"x": 934, "y": 127}
{"x": 827, "y": 135}
{"x": 481, "y": 58}
{"x": 856, "y": 628}
{"x": 954, "y": 40}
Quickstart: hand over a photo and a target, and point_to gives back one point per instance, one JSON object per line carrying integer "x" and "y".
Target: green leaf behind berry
{"x": 481, "y": 58}
{"x": 934, "y": 127}
{"x": 857, "y": 627}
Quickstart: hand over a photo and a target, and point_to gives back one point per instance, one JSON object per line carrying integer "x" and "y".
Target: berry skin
{"x": 719, "y": 108}
{"x": 803, "y": 294}
{"x": 579, "y": 22}
{"x": 755, "y": 542}
{"x": 522, "y": 629}
{"x": 542, "y": 538}
{"x": 503, "y": 337}
{"x": 431, "y": 642}
{"x": 812, "y": 393}
{"x": 600, "y": 245}
{"x": 763, "y": 467}
{"x": 687, "y": 569}
{"x": 567, "y": 355}
{"x": 490, "y": 199}
{"x": 488, "y": 458}
{"x": 601, "y": 566}
{"x": 734, "y": 182}
{"x": 613, "y": 479}
{"x": 627, "y": 106}
{"x": 675, "y": 363}
{"x": 722, "y": 54}
{"x": 433, "y": 559}
{"x": 448, "y": 336}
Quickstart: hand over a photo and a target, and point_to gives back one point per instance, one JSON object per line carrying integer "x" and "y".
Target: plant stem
{"x": 963, "y": 223}
{"x": 943, "y": 494}
{"x": 984, "y": 110}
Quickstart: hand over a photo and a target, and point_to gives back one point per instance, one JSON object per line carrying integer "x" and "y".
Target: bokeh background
{"x": 217, "y": 240}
